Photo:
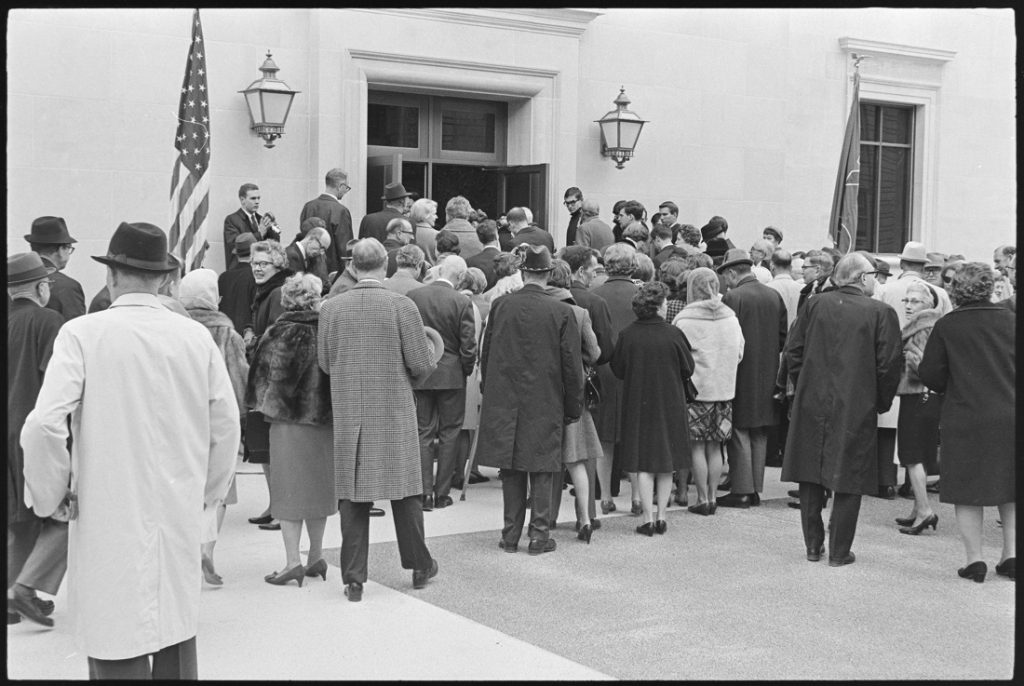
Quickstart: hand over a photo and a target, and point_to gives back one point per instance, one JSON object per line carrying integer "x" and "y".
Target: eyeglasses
{"x": 571, "y": 202}
{"x": 866, "y": 273}
{"x": 262, "y": 264}
{"x": 70, "y": 247}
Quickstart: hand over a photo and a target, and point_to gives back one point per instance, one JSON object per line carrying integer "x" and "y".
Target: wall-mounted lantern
{"x": 269, "y": 100}
{"x": 620, "y": 130}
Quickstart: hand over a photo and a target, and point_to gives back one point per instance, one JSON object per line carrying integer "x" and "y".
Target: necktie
{"x": 255, "y": 224}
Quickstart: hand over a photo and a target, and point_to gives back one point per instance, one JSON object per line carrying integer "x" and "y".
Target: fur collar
{"x": 921, "y": 321}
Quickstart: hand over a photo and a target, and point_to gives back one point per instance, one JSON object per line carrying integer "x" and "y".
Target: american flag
{"x": 843, "y": 221}
{"x": 190, "y": 184}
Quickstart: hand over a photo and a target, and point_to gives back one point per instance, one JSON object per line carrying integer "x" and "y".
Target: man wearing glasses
{"x": 574, "y": 203}
{"x": 49, "y": 238}
{"x": 337, "y": 218}
{"x": 307, "y": 253}
{"x": 398, "y": 233}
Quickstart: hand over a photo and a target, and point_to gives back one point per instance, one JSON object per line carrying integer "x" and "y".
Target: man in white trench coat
{"x": 155, "y": 426}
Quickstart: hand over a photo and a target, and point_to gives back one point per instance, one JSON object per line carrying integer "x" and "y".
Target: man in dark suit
{"x": 306, "y": 253}
{"x": 664, "y": 248}
{"x": 337, "y": 218}
{"x": 237, "y": 286}
{"x": 574, "y": 203}
{"x": 441, "y": 397}
{"x": 399, "y": 232}
{"x": 247, "y": 219}
{"x": 397, "y": 202}
{"x": 49, "y": 238}
{"x": 762, "y": 317}
{"x": 525, "y": 232}
{"x": 670, "y": 218}
{"x": 487, "y": 232}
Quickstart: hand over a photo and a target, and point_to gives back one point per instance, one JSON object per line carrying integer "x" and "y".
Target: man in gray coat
{"x": 532, "y": 383}
{"x": 844, "y": 357}
{"x": 372, "y": 344}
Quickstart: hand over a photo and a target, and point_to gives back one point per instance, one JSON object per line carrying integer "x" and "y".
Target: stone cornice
{"x": 559, "y": 22}
{"x": 896, "y": 50}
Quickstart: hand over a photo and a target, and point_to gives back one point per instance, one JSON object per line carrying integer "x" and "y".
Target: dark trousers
{"x": 355, "y": 536}
{"x": 439, "y": 413}
{"x": 843, "y": 522}
{"x": 886, "y": 450}
{"x": 513, "y": 491}
{"x": 37, "y": 554}
{"x": 176, "y": 662}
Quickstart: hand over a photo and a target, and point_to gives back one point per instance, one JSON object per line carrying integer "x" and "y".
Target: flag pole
{"x": 843, "y": 219}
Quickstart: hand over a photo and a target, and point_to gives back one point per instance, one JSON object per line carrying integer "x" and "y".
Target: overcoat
{"x": 237, "y": 289}
{"x": 373, "y": 346}
{"x": 653, "y": 359}
{"x": 971, "y": 358}
{"x": 450, "y": 313}
{"x": 469, "y": 242}
{"x": 531, "y": 378}
{"x": 231, "y": 347}
{"x": 66, "y": 295}
{"x": 617, "y": 292}
{"x": 266, "y": 305}
{"x": 339, "y": 224}
{"x": 375, "y": 224}
{"x": 31, "y": 329}
{"x": 762, "y": 316}
{"x": 156, "y": 431}
{"x": 844, "y": 356}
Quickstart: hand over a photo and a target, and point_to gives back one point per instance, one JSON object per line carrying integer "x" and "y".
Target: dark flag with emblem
{"x": 843, "y": 223}
{"x": 190, "y": 184}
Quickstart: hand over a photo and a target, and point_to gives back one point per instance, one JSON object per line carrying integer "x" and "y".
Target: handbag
{"x": 592, "y": 388}
{"x": 689, "y": 390}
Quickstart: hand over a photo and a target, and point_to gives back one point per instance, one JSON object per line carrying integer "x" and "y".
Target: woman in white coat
{"x": 716, "y": 342}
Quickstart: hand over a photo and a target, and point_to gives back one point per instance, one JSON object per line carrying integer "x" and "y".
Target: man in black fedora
{"x": 49, "y": 238}
{"x": 140, "y": 483}
{"x": 37, "y": 547}
{"x": 532, "y": 383}
{"x": 397, "y": 202}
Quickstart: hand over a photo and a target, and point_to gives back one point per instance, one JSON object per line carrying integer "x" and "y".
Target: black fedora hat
{"x": 394, "y": 191}
{"x": 536, "y": 258}
{"x": 49, "y": 231}
{"x": 140, "y": 246}
{"x": 25, "y": 267}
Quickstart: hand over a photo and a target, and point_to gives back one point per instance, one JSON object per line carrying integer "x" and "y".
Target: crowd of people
{"x": 388, "y": 363}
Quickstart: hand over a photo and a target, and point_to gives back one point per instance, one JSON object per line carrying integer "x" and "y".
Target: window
{"x": 884, "y": 199}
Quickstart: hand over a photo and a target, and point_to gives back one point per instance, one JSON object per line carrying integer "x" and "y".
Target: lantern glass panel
{"x": 252, "y": 99}
{"x": 610, "y": 133}
{"x": 630, "y": 132}
{"x": 275, "y": 107}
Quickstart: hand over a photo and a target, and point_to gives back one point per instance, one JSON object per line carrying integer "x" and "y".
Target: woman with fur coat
{"x": 287, "y": 386}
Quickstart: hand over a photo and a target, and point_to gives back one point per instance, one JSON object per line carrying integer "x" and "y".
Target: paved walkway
{"x": 250, "y": 630}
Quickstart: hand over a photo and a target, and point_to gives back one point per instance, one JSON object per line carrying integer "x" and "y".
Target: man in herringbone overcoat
{"x": 373, "y": 346}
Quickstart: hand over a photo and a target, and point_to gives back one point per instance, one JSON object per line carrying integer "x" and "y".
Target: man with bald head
{"x": 844, "y": 356}
{"x": 592, "y": 231}
{"x": 441, "y": 397}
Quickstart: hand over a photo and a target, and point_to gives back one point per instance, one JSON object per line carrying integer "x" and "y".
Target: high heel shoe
{"x": 975, "y": 571}
{"x": 297, "y": 573}
{"x": 585, "y": 532}
{"x": 318, "y": 568}
{"x": 646, "y": 529}
{"x": 907, "y": 521}
{"x": 660, "y": 526}
{"x": 637, "y": 509}
{"x": 712, "y": 506}
{"x": 1008, "y": 568}
{"x": 607, "y": 506}
{"x": 931, "y": 521}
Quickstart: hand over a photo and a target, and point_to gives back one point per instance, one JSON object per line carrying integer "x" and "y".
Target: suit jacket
{"x": 505, "y": 240}
{"x": 570, "y": 231}
{"x": 594, "y": 233}
{"x": 392, "y": 246}
{"x": 237, "y": 288}
{"x": 376, "y": 225}
{"x": 402, "y": 282}
{"x": 469, "y": 242}
{"x": 662, "y": 255}
{"x": 484, "y": 261}
{"x": 339, "y": 224}
{"x": 451, "y": 313}
{"x": 66, "y": 295}
{"x": 600, "y": 318}
{"x": 236, "y": 224}
{"x": 534, "y": 235}
{"x": 316, "y": 266}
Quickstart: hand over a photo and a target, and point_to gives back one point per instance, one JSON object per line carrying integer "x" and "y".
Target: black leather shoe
{"x": 508, "y": 547}
{"x": 660, "y": 526}
{"x": 266, "y": 519}
{"x": 1008, "y": 568}
{"x": 13, "y": 617}
{"x": 795, "y": 506}
{"x": 735, "y": 500}
{"x": 354, "y": 591}
{"x": 376, "y": 512}
{"x": 475, "y": 478}
{"x": 887, "y": 492}
{"x": 795, "y": 493}
{"x": 725, "y": 485}
{"x": 420, "y": 576}
{"x": 27, "y": 609}
{"x": 272, "y": 526}
{"x": 755, "y": 499}
{"x": 595, "y": 523}
{"x": 457, "y": 484}
{"x": 646, "y": 529}
{"x": 815, "y": 555}
{"x": 848, "y": 560}
{"x": 975, "y": 572}
{"x": 428, "y": 503}
{"x": 443, "y": 501}
{"x": 905, "y": 491}
{"x": 538, "y": 546}
{"x": 933, "y": 487}
{"x": 45, "y": 606}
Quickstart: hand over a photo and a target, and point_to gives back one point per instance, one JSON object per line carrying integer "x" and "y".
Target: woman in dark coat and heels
{"x": 287, "y": 386}
{"x": 653, "y": 359}
{"x": 970, "y": 358}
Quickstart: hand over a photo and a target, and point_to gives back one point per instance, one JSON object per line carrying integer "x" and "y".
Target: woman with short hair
{"x": 423, "y": 215}
{"x": 288, "y": 387}
{"x": 970, "y": 358}
{"x": 653, "y": 359}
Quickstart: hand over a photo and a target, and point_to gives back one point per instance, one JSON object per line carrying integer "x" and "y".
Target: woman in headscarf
{"x": 716, "y": 342}
{"x": 653, "y": 359}
{"x": 970, "y": 357}
{"x": 288, "y": 387}
{"x": 918, "y": 426}
{"x": 199, "y": 295}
